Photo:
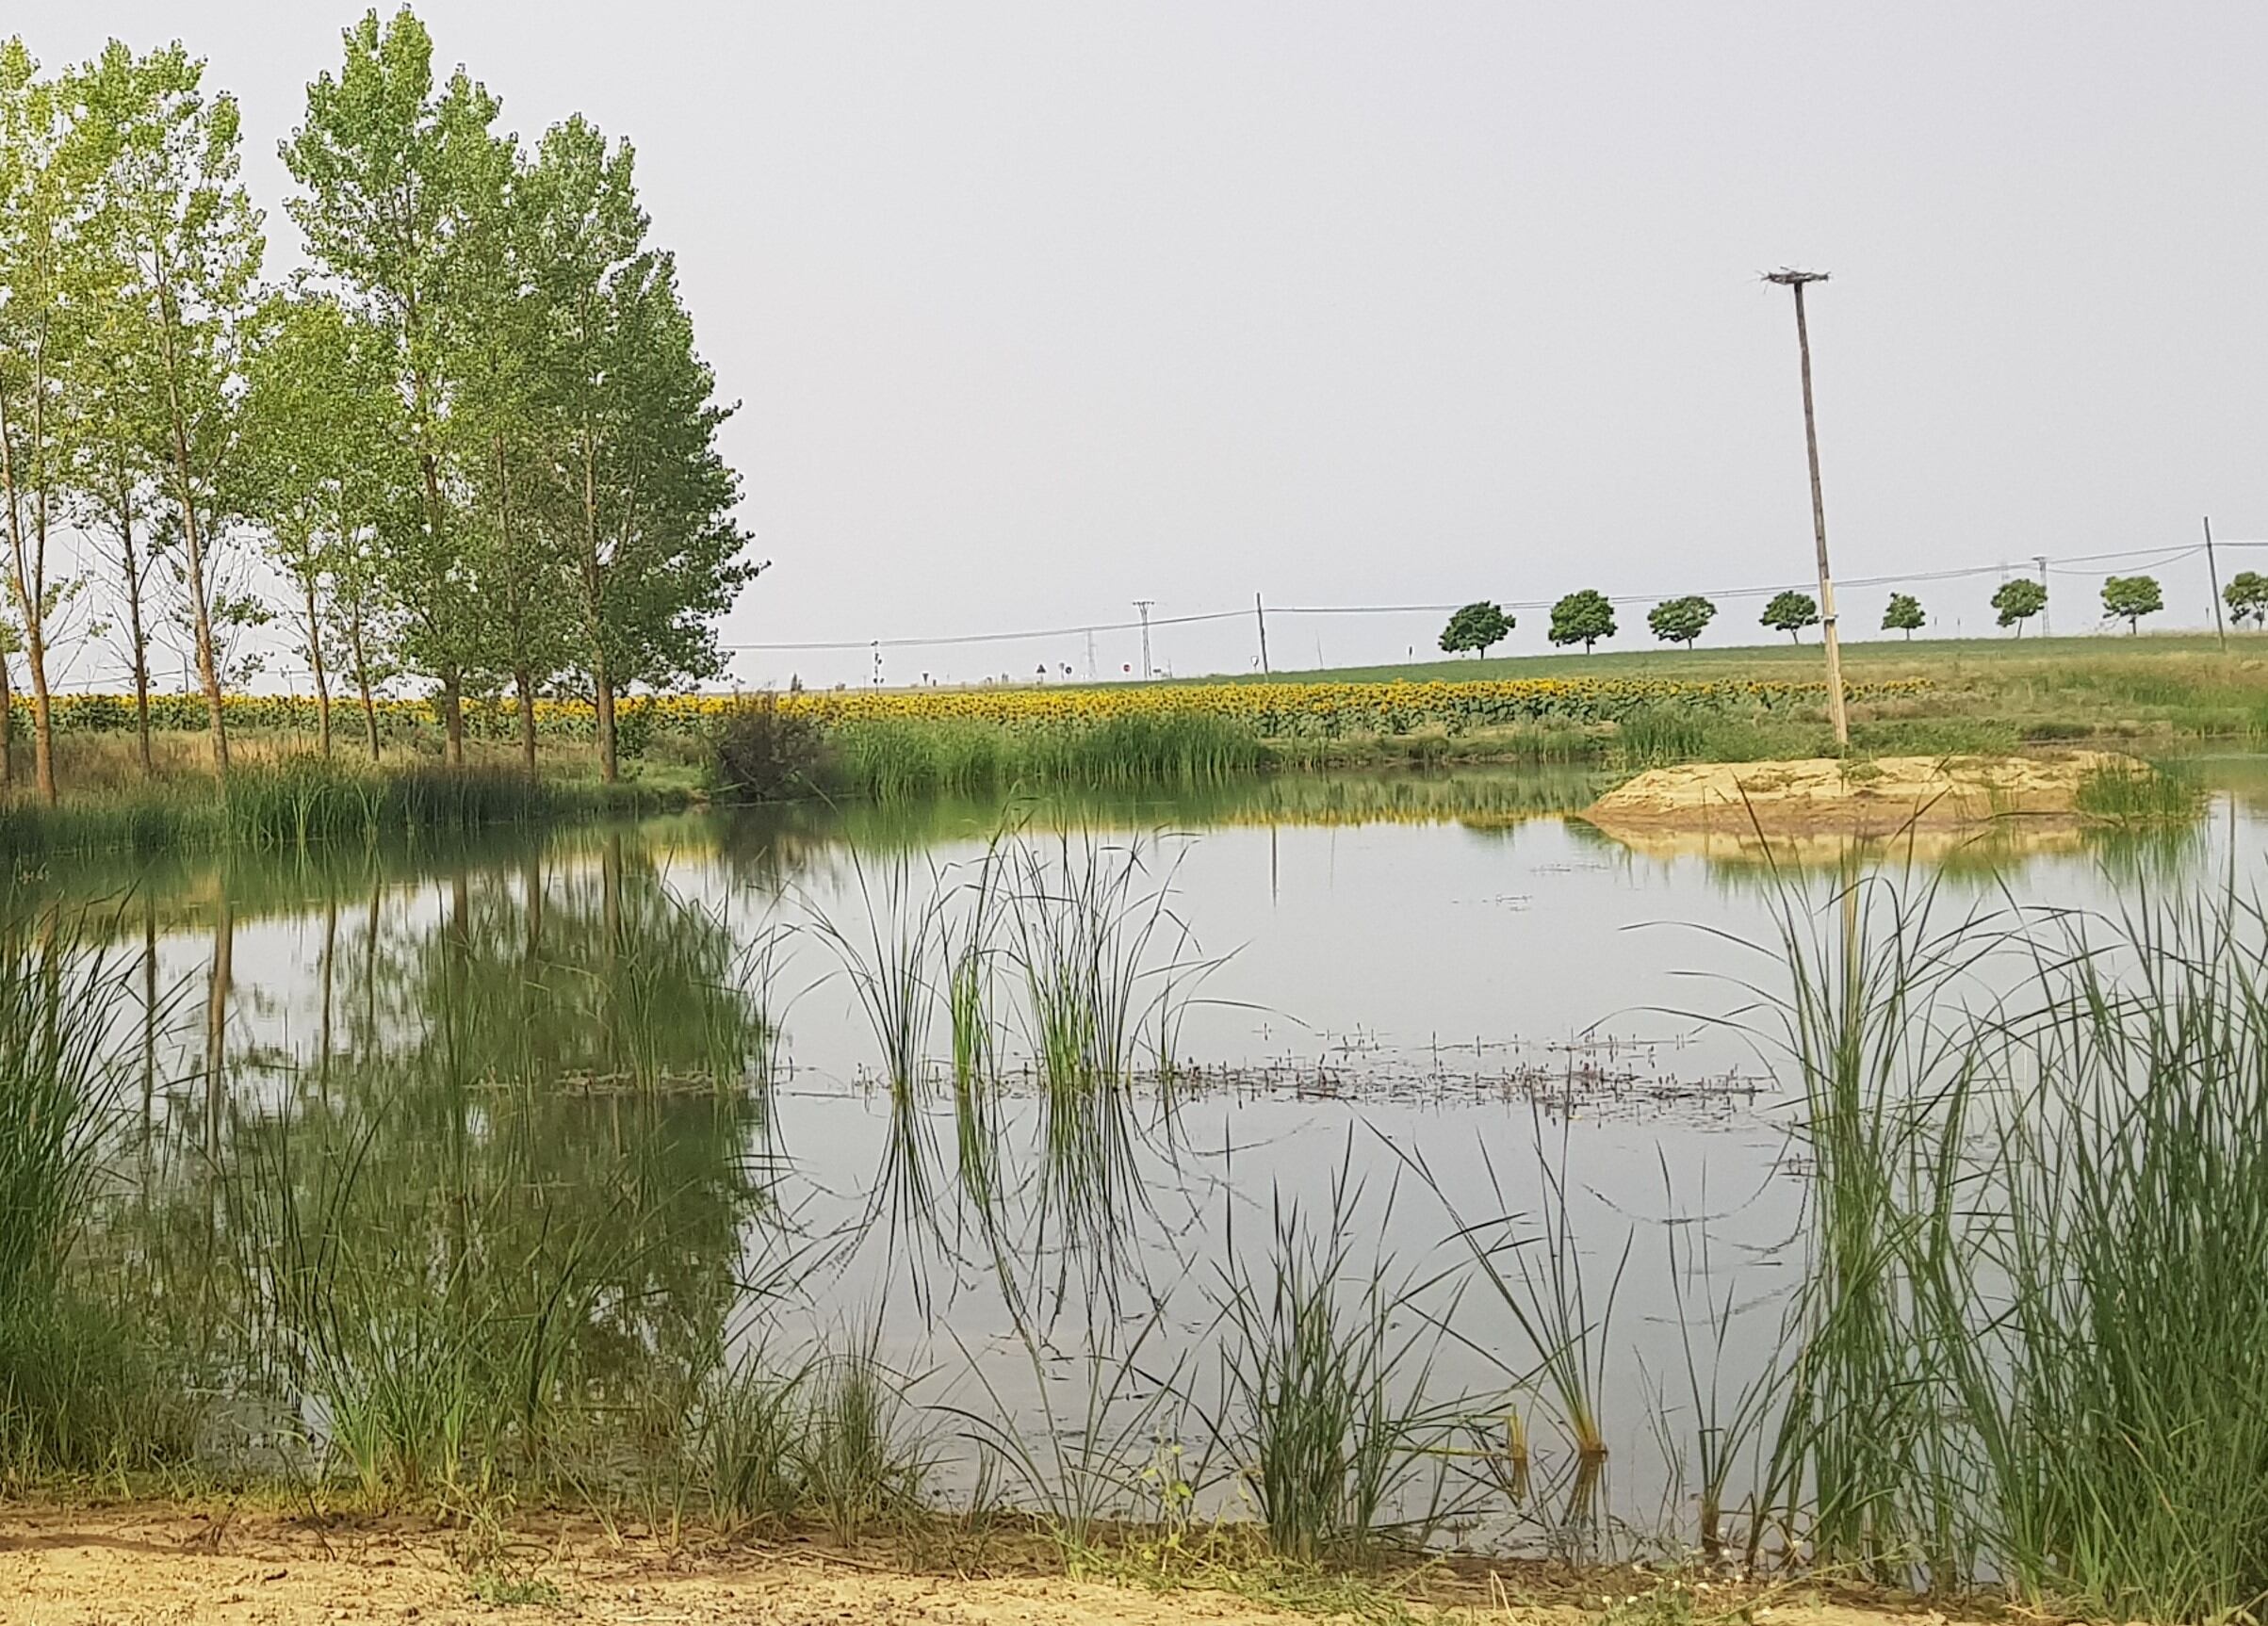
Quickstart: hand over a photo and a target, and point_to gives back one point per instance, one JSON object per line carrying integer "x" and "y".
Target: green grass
{"x": 1325, "y": 1391}
{"x": 1985, "y": 695}
{"x": 80, "y": 1388}
{"x": 2029, "y": 1336}
{"x": 897, "y": 760}
{"x": 295, "y": 801}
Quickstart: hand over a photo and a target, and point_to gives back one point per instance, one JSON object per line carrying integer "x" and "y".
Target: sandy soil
{"x": 155, "y": 1566}
{"x": 1876, "y": 796}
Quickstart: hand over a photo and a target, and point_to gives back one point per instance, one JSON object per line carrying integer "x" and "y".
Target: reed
{"x": 2038, "y": 1280}
{"x": 437, "y": 1333}
{"x": 857, "y": 1461}
{"x": 1538, "y": 1276}
{"x": 899, "y": 760}
{"x": 743, "y": 1439}
{"x": 81, "y": 1388}
{"x": 2139, "y": 794}
{"x": 292, "y": 802}
{"x": 1324, "y": 1389}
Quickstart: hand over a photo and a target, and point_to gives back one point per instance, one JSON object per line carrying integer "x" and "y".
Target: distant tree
{"x": 1583, "y": 618}
{"x": 1478, "y": 626}
{"x": 1903, "y": 615}
{"x": 2247, "y": 595}
{"x": 1791, "y": 613}
{"x": 2130, "y": 598}
{"x": 2018, "y": 599}
{"x": 1681, "y": 619}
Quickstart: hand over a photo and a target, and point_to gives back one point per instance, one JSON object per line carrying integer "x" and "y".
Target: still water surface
{"x": 1420, "y": 1004}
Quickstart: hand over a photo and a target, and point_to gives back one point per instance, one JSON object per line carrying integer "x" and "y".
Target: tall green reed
{"x": 2037, "y": 1284}
{"x": 1326, "y": 1364}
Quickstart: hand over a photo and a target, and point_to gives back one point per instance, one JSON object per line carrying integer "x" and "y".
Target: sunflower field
{"x": 1271, "y": 710}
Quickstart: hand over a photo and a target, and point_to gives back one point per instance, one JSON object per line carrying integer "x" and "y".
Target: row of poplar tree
{"x": 474, "y": 439}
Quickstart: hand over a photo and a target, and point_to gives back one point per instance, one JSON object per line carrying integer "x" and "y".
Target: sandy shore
{"x": 149, "y": 1564}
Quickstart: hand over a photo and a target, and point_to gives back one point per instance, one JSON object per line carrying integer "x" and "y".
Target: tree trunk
{"x": 137, "y": 637}
{"x": 28, "y": 578}
{"x": 362, "y": 681}
{"x": 315, "y": 655}
{"x": 7, "y": 725}
{"x": 42, "y": 718}
{"x": 602, "y": 697}
{"x": 602, "y": 679}
{"x": 523, "y": 684}
{"x": 452, "y": 715}
{"x": 193, "y": 542}
{"x": 523, "y": 681}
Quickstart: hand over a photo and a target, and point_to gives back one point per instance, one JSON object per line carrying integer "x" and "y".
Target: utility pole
{"x": 2212, "y": 568}
{"x": 1796, "y": 280}
{"x": 1261, "y": 615}
{"x": 2041, "y": 559}
{"x": 1090, "y": 655}
{"x": 1143, "y": 605}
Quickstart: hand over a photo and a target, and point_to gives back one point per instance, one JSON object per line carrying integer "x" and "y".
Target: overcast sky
{"x": 1037, "y": 309}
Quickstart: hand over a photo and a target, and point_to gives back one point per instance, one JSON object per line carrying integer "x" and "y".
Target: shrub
{"x": 762, "y": 753}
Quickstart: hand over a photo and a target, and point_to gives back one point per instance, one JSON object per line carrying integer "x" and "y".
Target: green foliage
{"x": 1791, "y": 613}
{"x": 763, "y": 754}
{"x": 1903, "y": 614}
{"x": 323, "y": 461}
{"x": 1583, "y": 617}
{"x": 1477, "y": 627}
{"x": 629, "y": 411}
{"x": 2018, "y": 599}
{"x": 2128, "y": 598}
{"x": 2246, "y": 597}
{"x": 1681, "y": 619}
{"x": 402, "y": 188}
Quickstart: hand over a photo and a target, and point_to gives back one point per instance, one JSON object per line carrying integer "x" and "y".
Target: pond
{"x": 1047, "y": 1108}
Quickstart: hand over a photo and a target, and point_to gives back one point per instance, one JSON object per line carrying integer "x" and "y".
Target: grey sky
{"x": 1039, "y": 308}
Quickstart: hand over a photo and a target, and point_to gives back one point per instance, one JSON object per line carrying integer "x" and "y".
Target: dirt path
{"x": 163, "y": 1567}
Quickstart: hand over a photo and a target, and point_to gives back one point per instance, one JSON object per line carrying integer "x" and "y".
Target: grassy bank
{"x": 282, "y": 801}
{"x": 1619, "y": 711}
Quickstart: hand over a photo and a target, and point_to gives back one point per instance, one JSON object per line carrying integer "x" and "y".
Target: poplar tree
{"x": 324, "y": 470}
{"x": 640, "y": 495}
{"x": 115, "y": 487}
{"x": 508, "y": 461}
{"x": 298, "y": 374}
{"x": 397, "y": 176}
{"x": 174, "y": 220}
{"x": 44, "y": 187}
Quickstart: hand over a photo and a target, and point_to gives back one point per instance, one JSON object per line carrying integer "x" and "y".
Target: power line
{"x": 2146, "y": 558}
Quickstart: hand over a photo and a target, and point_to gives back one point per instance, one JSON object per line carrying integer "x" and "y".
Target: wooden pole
{"x": 2213, "y": 569}
{"x": 1818, "y": 510}
{"x": 1261, "y": 615}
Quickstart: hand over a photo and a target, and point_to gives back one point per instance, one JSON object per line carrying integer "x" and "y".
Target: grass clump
{"x": 80, "y": 1389}
{"x": 2029, "y": 1334}
{"x": 1323, "y": 1392}
{"x": 292, "y": 802}
{"x": 2139, "y": 793}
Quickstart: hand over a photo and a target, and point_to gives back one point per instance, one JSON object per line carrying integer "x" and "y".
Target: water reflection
{"x": 598, "y": 1114}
